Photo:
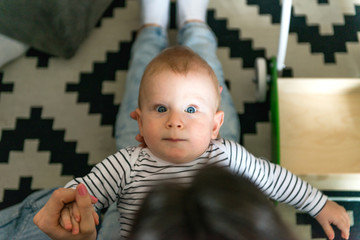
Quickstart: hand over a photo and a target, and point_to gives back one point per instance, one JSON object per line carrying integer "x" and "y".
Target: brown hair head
{"x": 180, "y": 60}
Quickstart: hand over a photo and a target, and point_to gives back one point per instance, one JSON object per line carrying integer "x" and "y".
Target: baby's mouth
{"x": 174, "y": 139}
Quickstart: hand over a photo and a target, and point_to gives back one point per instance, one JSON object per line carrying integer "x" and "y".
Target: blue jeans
{"x": 16, "y": 222}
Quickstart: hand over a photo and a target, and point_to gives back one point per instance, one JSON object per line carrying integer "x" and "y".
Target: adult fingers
{"x": 49, "y": 215}
{"x": 76, "y": 213}
{"x": 95, "y": 215}
{"x": 133, "y": 115}
{"x": 83, "y": 200}
{"x": 139, "y": 138}
{"x": 48, "y": 218}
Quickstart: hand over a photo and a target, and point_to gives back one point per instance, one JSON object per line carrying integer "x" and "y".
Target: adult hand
{"x": 47, "y": 219}
{"x": 138, "y": 137}
{"x": 70, "y": 216}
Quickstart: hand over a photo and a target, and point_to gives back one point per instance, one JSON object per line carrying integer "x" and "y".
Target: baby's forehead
{"x": 194, "y": 73}
{"x": 194, "y": 67}
{"x": 195, "y": 85}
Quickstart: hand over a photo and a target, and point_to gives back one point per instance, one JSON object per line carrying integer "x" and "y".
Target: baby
{"x": 179, "y": 121}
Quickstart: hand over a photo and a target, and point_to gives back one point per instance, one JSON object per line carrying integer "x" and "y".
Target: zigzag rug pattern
{"x": 57, "y": 115}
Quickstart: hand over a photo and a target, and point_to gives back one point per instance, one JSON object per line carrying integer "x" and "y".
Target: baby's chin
{"x": 178, "y": 158}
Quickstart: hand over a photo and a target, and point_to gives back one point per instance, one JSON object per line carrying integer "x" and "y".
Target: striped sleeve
{"x": 106, "y": 179}
{"x": 275, "y": 181}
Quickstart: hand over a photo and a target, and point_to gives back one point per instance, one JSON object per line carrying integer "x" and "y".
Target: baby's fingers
{"x": 96, "y": 218}
{"x": 328, "y": 230}
{"x": 74, "y": 221}
{"x": 65, "y": 219}
{"x": 343, "y": 223}
{"x": 93, "y": 199}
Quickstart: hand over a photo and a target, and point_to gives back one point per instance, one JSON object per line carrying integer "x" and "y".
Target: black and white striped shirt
{"x": 128, "y": 175}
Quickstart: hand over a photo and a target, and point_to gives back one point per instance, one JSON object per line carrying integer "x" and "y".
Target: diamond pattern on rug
{"x": 57, "y": 115}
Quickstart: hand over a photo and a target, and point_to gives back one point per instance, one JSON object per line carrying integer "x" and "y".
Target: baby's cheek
{"x": 150, "y": 134}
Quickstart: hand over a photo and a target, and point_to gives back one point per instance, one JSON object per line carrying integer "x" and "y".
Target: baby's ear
{"x": 218, "y": 121}
{"x": 139, "y": 120}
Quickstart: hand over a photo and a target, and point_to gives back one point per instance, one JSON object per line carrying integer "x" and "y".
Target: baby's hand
{"x": 333, "y": 213}
{"x": 70, "y": 217}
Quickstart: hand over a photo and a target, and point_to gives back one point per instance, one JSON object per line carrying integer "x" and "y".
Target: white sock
{"x": 191, "y": 10}
{"x": 10, "y": 49}
{"x": 155, "y": 12}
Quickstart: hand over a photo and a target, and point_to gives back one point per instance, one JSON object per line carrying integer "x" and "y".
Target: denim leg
{"x": 202, "y": 40}
{"x": 148, "y": 44}
{"x": 110, "y": 226}
{"x": 16, "y": 222}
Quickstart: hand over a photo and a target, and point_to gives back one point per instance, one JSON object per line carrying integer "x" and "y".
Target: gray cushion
{"x": 57, "y": 27}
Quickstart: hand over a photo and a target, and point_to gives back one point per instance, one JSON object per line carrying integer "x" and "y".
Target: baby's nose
{"x": 174, "y": 125}
{"x": 174, "y": 121}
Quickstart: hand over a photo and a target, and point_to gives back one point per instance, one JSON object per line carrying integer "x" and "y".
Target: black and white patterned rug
{"x": 57, "y": 116}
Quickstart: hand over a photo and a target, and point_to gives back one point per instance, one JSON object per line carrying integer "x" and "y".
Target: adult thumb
{"x": 83, "y": 200}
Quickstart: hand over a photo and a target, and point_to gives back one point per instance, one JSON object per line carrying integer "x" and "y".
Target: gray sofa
{"x": 56, "y": 27}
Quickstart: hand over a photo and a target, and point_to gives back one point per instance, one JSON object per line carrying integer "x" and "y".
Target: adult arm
{"x": 47, "y": 219}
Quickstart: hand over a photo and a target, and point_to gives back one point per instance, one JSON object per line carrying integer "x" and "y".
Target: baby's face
{"x": 178, "y": 115}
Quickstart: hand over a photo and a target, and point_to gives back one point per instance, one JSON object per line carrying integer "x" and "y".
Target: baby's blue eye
{"x": 161, "y": 109}
{"x": 191, "y": 110}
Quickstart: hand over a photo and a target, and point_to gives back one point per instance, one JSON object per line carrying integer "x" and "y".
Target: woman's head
{"x": 217, "y": 205}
